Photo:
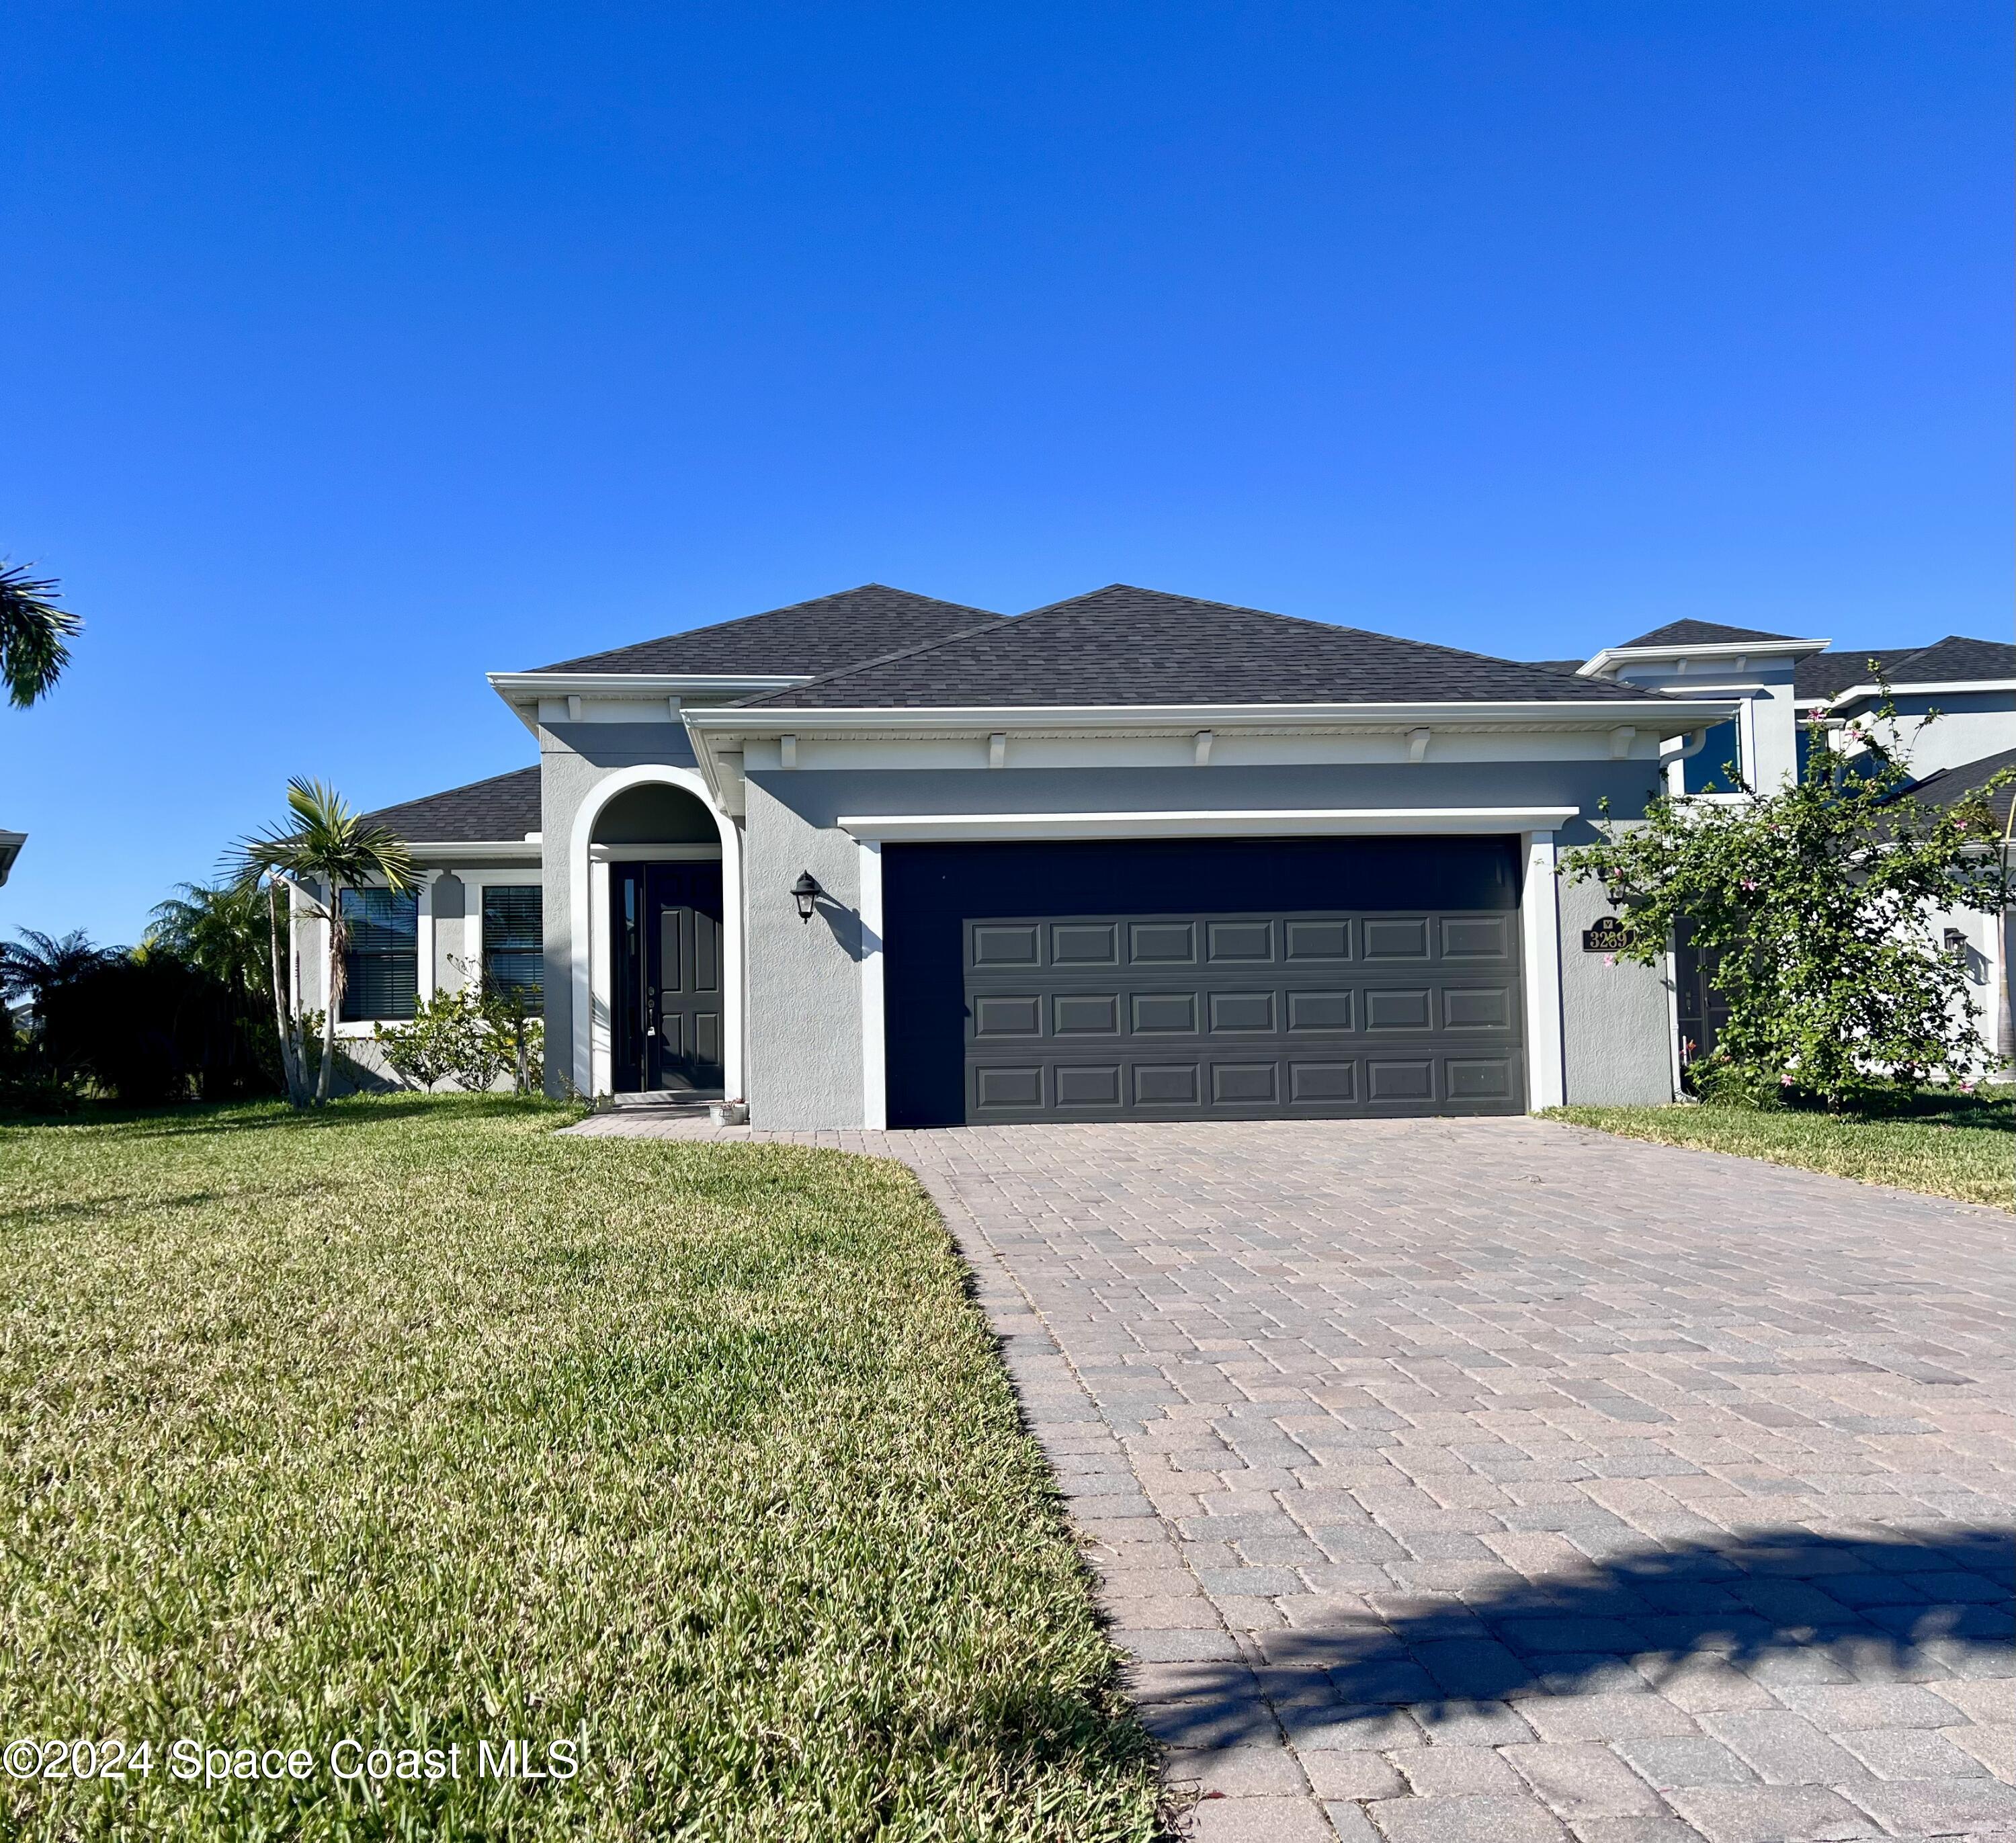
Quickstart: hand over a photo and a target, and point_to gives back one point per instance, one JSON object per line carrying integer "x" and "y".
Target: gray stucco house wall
{"x": 812, "y": 741}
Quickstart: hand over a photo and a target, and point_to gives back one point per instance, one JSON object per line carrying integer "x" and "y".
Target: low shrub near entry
{"x": 408, "y": 1424}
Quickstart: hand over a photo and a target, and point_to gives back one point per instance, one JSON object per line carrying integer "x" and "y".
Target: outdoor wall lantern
{"x": 805, "y": 892}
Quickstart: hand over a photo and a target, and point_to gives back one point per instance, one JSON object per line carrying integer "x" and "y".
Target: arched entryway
{"x": 655, "y": 874}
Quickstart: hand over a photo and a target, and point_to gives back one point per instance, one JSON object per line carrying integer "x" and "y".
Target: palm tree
{"x": 219, "y": 931}
{"x": 329, "y": 846}
{"x": 38, "y": 964}
{"x": 32, "y": 630}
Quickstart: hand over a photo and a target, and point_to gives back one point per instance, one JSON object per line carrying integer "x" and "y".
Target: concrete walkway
{"x": 1501, "y": 1481}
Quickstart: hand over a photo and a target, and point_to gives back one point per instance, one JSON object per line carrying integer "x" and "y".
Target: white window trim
{"x": 362, "y": 1029}
{"x": 473, "y": 883}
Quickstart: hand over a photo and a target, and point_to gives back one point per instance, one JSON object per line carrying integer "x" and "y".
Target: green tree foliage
{"x": 322, "y": 849}
{"x": 1812, "y": 906}
{"x": 34, "y": 631}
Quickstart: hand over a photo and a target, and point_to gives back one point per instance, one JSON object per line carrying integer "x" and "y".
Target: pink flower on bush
{"x": 1784, "y": 1081}
{"x": 1750, "y": 883}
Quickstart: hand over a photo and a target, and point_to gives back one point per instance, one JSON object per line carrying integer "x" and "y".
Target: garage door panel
{"x": 1318, "y": 940}
{"x": 1244, "y": 943}
{"x": 997, "y": 1014}
{"x": 1086, "y": 1013}
{"x": 1084, "y": 944}
{"x": 1161, "y": 944}
{"x": 1405, "y": 1079}
{"x": 1409, "y": 1008}
{"x": 1396, "y": 937}
{"x": 1168, "y": 1084}
{"x": 1006, "y": 944}
{"x": 1476, "y": 937}
{"x": 1242, "y": 1011}
{"x": 1001, "y": 1012}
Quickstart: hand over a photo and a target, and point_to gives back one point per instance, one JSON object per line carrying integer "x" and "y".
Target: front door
{"x": 666, "y": 990}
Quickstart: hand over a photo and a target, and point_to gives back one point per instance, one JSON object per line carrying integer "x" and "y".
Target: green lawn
{"x": 1952, "y": 1145}
{"x": 417, "y": 1425}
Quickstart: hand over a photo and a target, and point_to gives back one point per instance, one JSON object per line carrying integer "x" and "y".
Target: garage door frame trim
{"x": 1539, "y": 908}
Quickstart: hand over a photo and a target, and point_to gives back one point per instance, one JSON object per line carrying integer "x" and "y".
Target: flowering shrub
{"x": 1812, "y": 906}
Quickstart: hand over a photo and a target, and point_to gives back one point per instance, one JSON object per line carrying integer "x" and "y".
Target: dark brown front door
{"x": 666, "y": 994}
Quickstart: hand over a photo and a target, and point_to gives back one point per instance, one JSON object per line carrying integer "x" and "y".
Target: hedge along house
{"x": 878, "y": 859}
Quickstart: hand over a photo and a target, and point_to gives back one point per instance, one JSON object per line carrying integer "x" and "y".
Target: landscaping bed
{"x": 415, "y": 1426}
{"x": 1950, "y": 1144}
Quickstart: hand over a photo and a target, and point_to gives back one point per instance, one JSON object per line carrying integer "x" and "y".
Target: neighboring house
{"x": 10, "y": 849}
{"x": 877, "y": 859}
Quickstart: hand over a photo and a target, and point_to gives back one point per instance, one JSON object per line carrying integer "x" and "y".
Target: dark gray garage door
{"x": 1240, "y": 1009}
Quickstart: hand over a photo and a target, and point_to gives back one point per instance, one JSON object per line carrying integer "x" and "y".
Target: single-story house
{"x": 880, "y": 859}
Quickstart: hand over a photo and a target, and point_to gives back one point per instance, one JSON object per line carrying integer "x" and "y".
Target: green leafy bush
{"x": 474, "y": 1035}
{"x": 1812, "y": 908}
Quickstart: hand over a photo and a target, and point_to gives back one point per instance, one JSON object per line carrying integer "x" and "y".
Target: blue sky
{"x": 350, "y": 352}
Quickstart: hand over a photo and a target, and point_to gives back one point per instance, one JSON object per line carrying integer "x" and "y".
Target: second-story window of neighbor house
{"x": 512, "y": 944}
{"x": 1710, "y": 769}
{"x": 382, "y": 963}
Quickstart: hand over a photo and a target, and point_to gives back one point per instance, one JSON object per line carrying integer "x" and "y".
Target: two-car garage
{"x": 1174, "y": 979}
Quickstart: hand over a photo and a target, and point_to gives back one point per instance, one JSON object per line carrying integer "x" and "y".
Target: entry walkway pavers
{"x": 1499, "y": 1480}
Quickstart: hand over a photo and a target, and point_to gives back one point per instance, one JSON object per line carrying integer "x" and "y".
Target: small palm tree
{"x": 218, "y": 930}
{"x": 328, "y": 845}
{"x": 37, "y": 964}
{"x": 32, "y": 630}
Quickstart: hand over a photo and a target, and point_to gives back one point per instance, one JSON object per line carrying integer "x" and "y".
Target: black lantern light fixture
{"x": 805, "y": 892}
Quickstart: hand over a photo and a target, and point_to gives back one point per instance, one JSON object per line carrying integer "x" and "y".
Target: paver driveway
{"x": 1504, "y": 1480}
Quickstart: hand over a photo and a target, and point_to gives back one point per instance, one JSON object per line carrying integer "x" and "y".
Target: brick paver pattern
{"x": 1499, "y": 1480}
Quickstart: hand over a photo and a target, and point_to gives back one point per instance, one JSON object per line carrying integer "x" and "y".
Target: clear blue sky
{"x": 349, "y": 351}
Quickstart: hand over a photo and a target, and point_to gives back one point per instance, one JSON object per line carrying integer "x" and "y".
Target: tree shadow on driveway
{"x": 1927, "y": 1606}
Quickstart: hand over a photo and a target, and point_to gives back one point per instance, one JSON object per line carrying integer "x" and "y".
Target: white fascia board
{"x": 522, "y": 691}
{"x": 1222, "y": 822}
{"x": 1542, "y": 713}
{"x": 1855, "y": 694}
{"x": 461, "y": 850}
{"x": 1607, "y": 662}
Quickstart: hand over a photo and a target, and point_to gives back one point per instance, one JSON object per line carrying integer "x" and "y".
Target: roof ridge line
{"x": 764, "y": 614}
{"x": 862, "y": 665}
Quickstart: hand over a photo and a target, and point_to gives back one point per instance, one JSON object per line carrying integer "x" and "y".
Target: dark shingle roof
{"x": 1827, "y": 674}
{"x": 1955, "y": 660}
{"x": 1561, "y": 665}
{"x": 1121, "y": 645}
{"x": 1701, "y": 633}
{"x": 821, "y": 636}
{"x": 503, "y": 808}
{"x": 1951, "y": 784}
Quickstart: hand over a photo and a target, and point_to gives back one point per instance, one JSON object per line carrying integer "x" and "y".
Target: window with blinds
{"x": 382, "y": 962}
{"x": 514, "y": 942}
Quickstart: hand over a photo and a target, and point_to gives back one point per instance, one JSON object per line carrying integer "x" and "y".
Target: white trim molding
{"x": 446, "y": 853}
{"x": 1607, "y": 662}
{"x": 1949, "y": 687}
{"x": 874, "y": 1032}
{"x": 1540, "y": 929}
{"x": 659, "y": 697}
{"x": 1224, "y": 822}
{"x": 588, "y": 929}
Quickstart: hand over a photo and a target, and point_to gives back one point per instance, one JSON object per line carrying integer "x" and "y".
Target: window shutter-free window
{"x": 514, "y": 941}
{"x": 383, "y": 960}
